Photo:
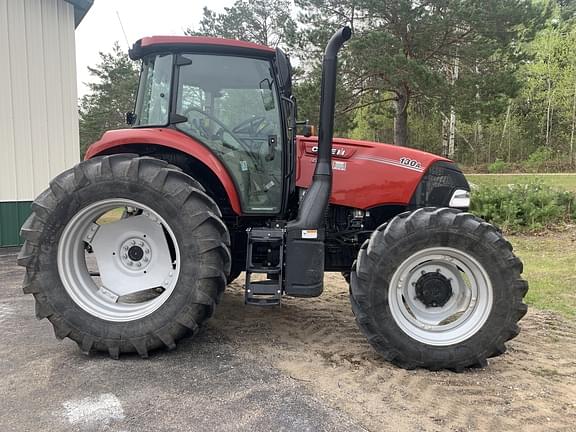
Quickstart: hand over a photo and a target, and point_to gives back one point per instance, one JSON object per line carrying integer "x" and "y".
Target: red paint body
{"x": 366, "y": 174}
{"x": 204, "y": 40}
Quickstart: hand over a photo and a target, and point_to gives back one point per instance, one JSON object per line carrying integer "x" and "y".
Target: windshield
{"x": 231, "y": 105}
{"x": 153, "y": 102}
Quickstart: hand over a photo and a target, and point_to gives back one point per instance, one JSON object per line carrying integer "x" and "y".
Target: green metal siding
{"x": 12, "y": 216}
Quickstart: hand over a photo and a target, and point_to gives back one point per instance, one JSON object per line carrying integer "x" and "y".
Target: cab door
{"x": 231, "y": 105}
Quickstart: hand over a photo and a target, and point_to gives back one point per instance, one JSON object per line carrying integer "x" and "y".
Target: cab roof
{"x": 156, "y": 44}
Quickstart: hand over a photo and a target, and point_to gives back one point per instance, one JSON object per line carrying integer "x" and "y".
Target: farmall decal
{"x": 339, "y": 165}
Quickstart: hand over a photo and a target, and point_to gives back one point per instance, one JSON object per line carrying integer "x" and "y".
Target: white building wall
{"x": 38, "y": 100}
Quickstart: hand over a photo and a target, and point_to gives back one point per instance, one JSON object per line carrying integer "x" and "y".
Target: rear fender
{"x": 169, "y": 138}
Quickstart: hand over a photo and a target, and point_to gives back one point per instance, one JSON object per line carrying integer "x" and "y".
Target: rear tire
{"x": 438, "y": 289}
{"x": 196, "y": 238}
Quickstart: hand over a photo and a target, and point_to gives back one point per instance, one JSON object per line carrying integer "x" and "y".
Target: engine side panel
{"x": 366, "y": 174}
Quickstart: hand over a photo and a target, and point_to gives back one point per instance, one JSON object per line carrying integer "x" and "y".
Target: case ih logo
{"x": 335, "y": 151}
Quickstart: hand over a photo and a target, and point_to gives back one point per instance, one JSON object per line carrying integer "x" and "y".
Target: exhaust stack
{"x": 305, "y": 235}
{"x": 313, "y": 206}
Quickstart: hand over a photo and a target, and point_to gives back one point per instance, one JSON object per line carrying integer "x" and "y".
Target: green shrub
{"x": 529, "y": 206}
{"x": 539, "y": 160}
{"x": 499, "y": 166}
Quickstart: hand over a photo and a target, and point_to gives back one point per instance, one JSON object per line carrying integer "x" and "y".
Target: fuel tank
{"x": 366, "y": 174}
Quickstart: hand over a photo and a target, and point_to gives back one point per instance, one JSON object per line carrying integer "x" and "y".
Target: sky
{"x": 101, "y": 28}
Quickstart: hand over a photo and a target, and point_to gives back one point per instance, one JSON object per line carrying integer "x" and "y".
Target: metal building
{"x": 38, "y": 106}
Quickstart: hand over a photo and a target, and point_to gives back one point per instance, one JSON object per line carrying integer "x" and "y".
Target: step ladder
{"x": 265, "y": 256}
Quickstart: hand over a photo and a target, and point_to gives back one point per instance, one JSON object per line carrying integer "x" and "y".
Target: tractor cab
{"x": 234, "y": 99}
{"x": 230, "y": 97}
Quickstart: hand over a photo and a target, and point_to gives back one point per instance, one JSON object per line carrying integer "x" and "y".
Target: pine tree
{"x": 110, "y": 96}
{"x": 267, "y": 22}
{"x": 403, "y": 49}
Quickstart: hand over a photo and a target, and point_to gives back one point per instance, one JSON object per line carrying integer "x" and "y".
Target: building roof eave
{"x": 81, "y": 8}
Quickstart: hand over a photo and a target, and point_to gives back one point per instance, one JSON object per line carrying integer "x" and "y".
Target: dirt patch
{"x": 316, "y": 341}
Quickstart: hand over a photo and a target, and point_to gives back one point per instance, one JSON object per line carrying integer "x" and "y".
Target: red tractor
{"x": 131, "y": 249}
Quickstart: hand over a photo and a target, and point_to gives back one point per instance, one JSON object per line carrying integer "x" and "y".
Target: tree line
{"x": 485, "y": 82}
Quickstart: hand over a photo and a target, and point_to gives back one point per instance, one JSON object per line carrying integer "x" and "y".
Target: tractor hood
{"x": 366, "y": 174}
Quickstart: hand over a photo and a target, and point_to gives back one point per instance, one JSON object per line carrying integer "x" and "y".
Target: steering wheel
{"x": 206, "y": 133}
{"x": 250, "y": 126}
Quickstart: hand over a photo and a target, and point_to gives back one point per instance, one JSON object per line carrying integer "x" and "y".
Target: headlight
{"x": 460, "y": 199}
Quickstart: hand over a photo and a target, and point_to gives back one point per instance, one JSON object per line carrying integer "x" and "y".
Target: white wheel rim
{"x": 464, "y": 311}
{"x": 137, "y": 259}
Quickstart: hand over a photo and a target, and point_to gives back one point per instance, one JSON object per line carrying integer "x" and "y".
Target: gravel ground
{"x": 302, "y": 367}
{"x": 207, "y": 384}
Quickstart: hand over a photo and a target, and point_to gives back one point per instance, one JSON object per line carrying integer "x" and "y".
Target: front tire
{"x": 438, "y": 289}
{"x": 125, "y": 254}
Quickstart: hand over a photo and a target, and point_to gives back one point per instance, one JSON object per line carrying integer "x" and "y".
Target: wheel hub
{"x": 452, "y": 279}
{"x": 433, "y": 289}
{"x": 135, "y": 253}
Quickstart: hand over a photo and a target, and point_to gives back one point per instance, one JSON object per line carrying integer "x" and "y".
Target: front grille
{"x": 438, "y": 185}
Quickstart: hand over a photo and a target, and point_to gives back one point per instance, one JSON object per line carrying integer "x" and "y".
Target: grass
{"x": 563, "y": 181}
{"x": 550, "y": 268}
{"x": 549, "y": 259}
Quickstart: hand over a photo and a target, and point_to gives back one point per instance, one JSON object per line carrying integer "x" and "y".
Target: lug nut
{"x": 125, "y": 256}
{"x": 146, "y": 251}
{"x": 130, "y": 263}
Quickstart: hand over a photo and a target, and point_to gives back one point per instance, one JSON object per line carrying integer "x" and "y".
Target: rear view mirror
{"x": 266, "y": 93}
{"x": 306, "y": 129}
